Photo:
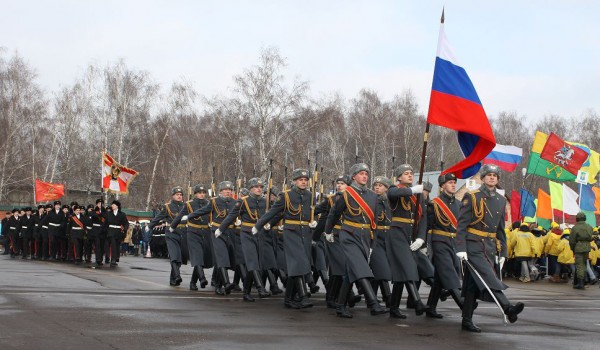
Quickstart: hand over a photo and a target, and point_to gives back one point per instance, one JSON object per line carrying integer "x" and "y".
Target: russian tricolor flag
{"x": 454, "y": 104}
{"x": 506, "y": 157}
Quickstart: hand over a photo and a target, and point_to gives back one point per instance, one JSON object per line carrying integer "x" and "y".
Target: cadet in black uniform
{"x": 13, "y": 232}
{"x": 175, "y": 237}
{"x": 116, "y": 225}
{"x": 77, "y": 231}
{"x": 54, "y": 220}
{"x": 356, "y": 205}
{"x": 98, "y": 231}
{"x": 27, "y": 229}
{"x": 482, "y": 241}
{"x": 198, "y": 236}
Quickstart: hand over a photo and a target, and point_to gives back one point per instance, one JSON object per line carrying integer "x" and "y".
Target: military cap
{"x": 176, "y": 190}
{"x": 49, "y": 206}
{"x": 90, "y": 206}
{"x": 28, "y": 209}
{"x": 357, "y": 168}
{"x": 580, "y": 216}
{"x": 74, "y": 203}
{"x": 65, "y": 207}
{"x": 274, "y": 191}
{"x": 40, "y": 206}
{"x": 255, "y": 181}
{"x": 57, "y": 203}
{"x": 427, "y": 186}
{"x": 99, "y": 200}
{"x": 15, "y": 210}
{"x": 81, "y": 207}
{"x": 442, "y": 179}
{"x": 382, "y": 180}
{"x": 118, "y": 204}
{"x": 489, "y": 169}
{"x": 199, "y": 188}
{"x": 298, "y": 173}
{"x": 224, "y": 185}
{"x": 244, "y": 191}
{"x": 401, "y": 169}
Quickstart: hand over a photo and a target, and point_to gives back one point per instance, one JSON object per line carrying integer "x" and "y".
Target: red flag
{"x": 563, "y": 154}
{"x": 45, "y": 191}
{"x": 115, "y": 177}
{"x": 515, "y": 206}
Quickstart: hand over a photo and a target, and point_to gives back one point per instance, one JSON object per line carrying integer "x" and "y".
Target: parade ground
{"x": 48, "y": 305}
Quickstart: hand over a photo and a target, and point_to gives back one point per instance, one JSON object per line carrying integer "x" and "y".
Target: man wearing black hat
{"x": 402, "y": 249}
{"x": 198, "y": 236}
{"x": 44, "y": 251}
{"x": 4, "y": 240}
{"x": 249, "y": 209}
{"x": 442, "y": 217}
{"x": 13, "y": 232}
{"x": 217, "y": 208}
{"x": 77, "y": 231}
{"x": 268, "y": 251}
{"x": 356, "y": 206}
{"x": 175, "y": 237}
{"x": 481, "y": 241}
{"x": 27, "y": 223}
{"x": 98, "y": 233}
{"x": 294, "y": 205}
{"x": 88, "y": 239}
{"x": 37, "y": 236}
{"x": 116, "y": 225}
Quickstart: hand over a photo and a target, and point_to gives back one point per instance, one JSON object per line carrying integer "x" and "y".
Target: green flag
{"x": 544, "y": 168}
{"x": 556, "y": 195}
{"x": 590, "y": 217}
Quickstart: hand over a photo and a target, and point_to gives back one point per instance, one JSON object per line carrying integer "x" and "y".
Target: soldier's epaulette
{"x": 285, "y": 191}
{"x": 474, "y": 191}
{"x": 331, "y": 195}
{"x": 243, "y": 197}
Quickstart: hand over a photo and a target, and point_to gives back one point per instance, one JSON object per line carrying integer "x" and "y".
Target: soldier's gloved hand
{"x": 267, "y": 227}
{"x": 416, "y": 244}
{"x": 500, "y": 261}
{"x": 171, "y": 229}
{"x": 184, "y": 218}
{"x": 417, "y": 189}
{"x": 280, "y": 227}
{"x": 238, "y": 222}
{"x": 462, "y": 255}
{"x": 313, "y": 224}
{"x": 217, "y": 233}
{"x": 329, "y": 237}
{"x": 254, "y": 230}
{"x": 147, "y": 228}
{"x": 423, "y": 251}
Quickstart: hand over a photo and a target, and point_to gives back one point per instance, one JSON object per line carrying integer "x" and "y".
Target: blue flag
{"x": 527, "y": 204}
{"x": 587, "y": 198}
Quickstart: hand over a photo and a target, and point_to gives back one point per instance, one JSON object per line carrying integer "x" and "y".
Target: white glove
{"x": 500, "y": 261}
{"x": 254, "y": 230}
{"x": 423, "y": 251}
{"x": 280, "y": 227}
{"x": 417, "y": 189}
{"x": 329, "y": 237}
{"x": 184, "y": 218}
{"x": 313, "y": 224}
{"x": 417, "y": 244}
{"x": 238, "y": 222}
{"x": 171, "y": 229}
{"x": 147, "y": 228}
{"x": 462, "y": 255}
{"x": 267, "y": 227}
{"x": 217, "y": 233}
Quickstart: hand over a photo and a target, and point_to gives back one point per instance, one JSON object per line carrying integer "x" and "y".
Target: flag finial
{"x": 442, "y": 19}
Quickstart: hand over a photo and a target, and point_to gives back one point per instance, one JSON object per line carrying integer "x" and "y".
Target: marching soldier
{"x": 268, "y": 252}
{"x": 356, "y": 206}
{"x": 401, "y": 250}
{"x": 13, "y": 232}
{"x": 294, "y": 205}
{"x": 441, "y": 222}
{"x": 175, "y": 236}
{"x": 55, "y": 220}
{"x": 217, "y": 209}
{"x": 77, "y": 231}
{"x": 481, "y": 241}
{"x": 27, "y": 227}
{"x": 98, "y": 231}
{"x": 248, "y": 209}
{"x": 116, "y": 225}
{"x": 89, "y": 239}
{"x": 198, "y": 236}
{"x": 379, "y": 262}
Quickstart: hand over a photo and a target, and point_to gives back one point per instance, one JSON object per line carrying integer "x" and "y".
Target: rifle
{"x": 285, "y": 169}
{"x": 269, "y": 184}
{"x": 313, "y": 190}
{"x": 213, "y": 187}
{"x": 238, "y": 185}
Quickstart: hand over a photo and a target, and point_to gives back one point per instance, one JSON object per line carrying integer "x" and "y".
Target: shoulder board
{"x": 285, "y": 191}
{"x": 474, "y": 191}
{"x": 331, "y": 195}
{"x": 243, "y": 198}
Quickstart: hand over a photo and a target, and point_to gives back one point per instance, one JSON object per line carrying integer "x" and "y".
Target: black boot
{"x": 370, "y": 298}
{"x": 385, "y": 292}
{"x": 395, "y": 301}
{"x": 225, "y": 280}
{"x": 262, "y": 292}
{"x": 273, "y": 283}
{"x": 214, "y": 277}
{"x": 201, "y": 277}
{"x": 194, "y": 279}
{"x": 248, "y": 288}
{"x": 301, "y": 290}
{"x": 410, "y": 302}
{"x": 511, "y": 311}
{"x": 467, "y": 313}
{"x": 283, "y": 277}
{"x": 341, "y": 307}
{"x": 458, "y": 299}
{"x": 411, "y": 288}
{"x": 432, "y": 301}
{"x": 335, "y": 283}
{"x": 375, "y": 287}
{"x": 288, "y": 300}
{"x": 175, "y": 275}
{"x": 311, "y": 284}
{"x": 353, "y": 298}
{"x": 324, "y": 277}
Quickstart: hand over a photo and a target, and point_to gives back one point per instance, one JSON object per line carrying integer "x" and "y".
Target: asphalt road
{"x": 47, "y": 305}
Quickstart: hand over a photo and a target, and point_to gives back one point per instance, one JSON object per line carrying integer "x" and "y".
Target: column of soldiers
{"x": 57, "y": 232}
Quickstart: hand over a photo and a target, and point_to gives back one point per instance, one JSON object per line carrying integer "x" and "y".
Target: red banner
{"x": 563, "y": 154}
{"x": 45, "y": 191}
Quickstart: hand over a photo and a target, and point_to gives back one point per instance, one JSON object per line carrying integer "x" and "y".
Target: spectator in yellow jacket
{"x": 551, "y": 250}
{"x": 566, "y": 258}
{"x": 538, "y": 250}
{"x": 522, "y": 245}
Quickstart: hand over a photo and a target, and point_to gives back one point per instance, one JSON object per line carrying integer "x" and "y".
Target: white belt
{"x": 24, "y": 227}
{"x": 44, "y": 226}
{"x": 97, "y": 225}
{"x": 53, "y": 224}
{"x": 88, "y": 227}
{"x": 13, "y": 228}
{"x": 114, "y": 226}
{"x": 76, "y": 228}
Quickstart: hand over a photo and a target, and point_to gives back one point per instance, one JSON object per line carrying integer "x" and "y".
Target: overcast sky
{"x": 534, "y": 57}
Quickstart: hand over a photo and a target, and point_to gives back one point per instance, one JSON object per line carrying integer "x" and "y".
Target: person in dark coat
{"x": 198, "y": 236}
{"x": 174, "y": 236}
{"x": 116, "y": 225}
{"x": 13, "y": 226}
{"x": 55, "y": 220}
{"x": 268, "y": 250}
{"x": 27, "y": 228}
{"x": 356, "y": 206}
{"x": 379, "y": 262}
{"x": 482, "y": 241}
{"x": 77, "y": 232}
